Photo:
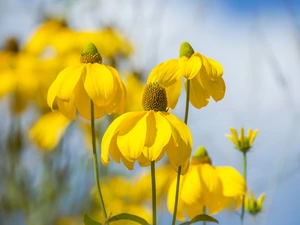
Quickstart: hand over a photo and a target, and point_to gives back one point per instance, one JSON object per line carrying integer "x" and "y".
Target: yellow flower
{"x": 48, "y": 130}
{"x": 134, "y": 88}
{"x": 242, "y": 143}
{"x": 145, "y": 136}
{"x": 205, "y": 77}
{"x": 76, "y": 85}
{"x": 252, "y": 205}
{"x": 208, "y": 186}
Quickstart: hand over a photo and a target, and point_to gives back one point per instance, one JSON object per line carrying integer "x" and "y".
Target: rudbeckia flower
{"x": 204, "y": 74}
{"x": 242, "y": 143}
{"x": 76, "y": 85}
{"x": 146, "y": 135}
{"x": 204, "y": 185}
{"x": 252, "y": 205}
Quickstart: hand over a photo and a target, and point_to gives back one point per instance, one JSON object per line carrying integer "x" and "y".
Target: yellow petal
{"x": 190, "y": 67}
{"x": 233, "y": 182}
{"x": 194, "y": 210}
{"x": 117, "y": 104}
{"x": 158, "y": 134}
{"x": 180, "y": 146}
{"x": 68, "y": 79}
{"x": 100, "y": 84}
{"x": 260, "y": 201}
{"x": 216, "y": 88}
{"x": 242, "y": 136}
{"x": 109, "y": 140}
{"x": 166, "y": 73}
{"x": 132, "y": 135}
{"x": 233, "y": 137}
{"x": 218, "y": 69}
{"x": 143, "y": 161}
{"x": 199, "y": 96}
{"x": 191, "y": 188}
{"x": 173, "y": 93}
{"x": 252, "y": 138}
{"x": 48, "y": 130}
{"x": 83, "y": 103}
{"x": 67, "y": 108}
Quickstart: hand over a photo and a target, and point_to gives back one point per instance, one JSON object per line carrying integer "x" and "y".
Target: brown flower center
{"x": 155, "y": 98}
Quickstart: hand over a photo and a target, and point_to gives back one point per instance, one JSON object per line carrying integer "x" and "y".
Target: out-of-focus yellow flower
{"x": 145, "y": 136}
{"x": 252, "y": 205}
{"x": 76, "y": 85}
{"x": 110, "y": 42}
{"x": 48, "y": 130}
{"x": 208, "y": 186}
{"x": 205, "y": 77}
{"x": 242, "y": 143}
{"x": 134, "y": 89}
{"x": 127, "y": 199}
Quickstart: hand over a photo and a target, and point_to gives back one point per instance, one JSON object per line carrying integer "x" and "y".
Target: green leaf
{"x": 201, "y": 217}
{"x": 88, "y": 221}
{"x": 127, "y": 216}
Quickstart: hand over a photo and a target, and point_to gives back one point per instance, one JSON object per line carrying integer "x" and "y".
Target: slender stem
{"x": 153, "y": 192}
{"x": 187, "y": 101}
{"x": 245, "y": 177}
{"x": 96, "y": 160}
{"x": 204, "y": 212}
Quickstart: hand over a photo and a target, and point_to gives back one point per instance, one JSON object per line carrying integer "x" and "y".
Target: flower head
{"x": 205, "y": 77}
{"x": 242, "y": 143}
{"x": 76, "y": 85}
{"x": 204, "y": 185}
{"x": 252, "y": 205}
{"x": 146, "y": 135}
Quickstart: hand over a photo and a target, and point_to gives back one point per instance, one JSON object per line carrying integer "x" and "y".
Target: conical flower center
{"x": 201, "y": 157}
{"x": 155, "y": 98}
{"x": 90, "y": 54}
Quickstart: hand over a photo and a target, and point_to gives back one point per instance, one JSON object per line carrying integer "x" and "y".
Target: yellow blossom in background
{"x": 242, "y": 143}
{"x": 121, "y": 196}
{"x": 204, "y": 185}
{"x": 205, "y": 77}
{"x": 147, "y": 135}
{"x": 252, "y": 205}
{"x": 134, "y": 89}
{"x": 76, "y": 85}
{"x": 48, "y": 130}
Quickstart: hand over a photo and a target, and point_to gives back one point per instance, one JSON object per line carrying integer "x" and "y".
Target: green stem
{"x": 153, "y": 192}
{"x": 96, "y": 160}
{"x": 204, "y": 212}
{"x": 245, "y": 177}
{"x": 186, "y": 115}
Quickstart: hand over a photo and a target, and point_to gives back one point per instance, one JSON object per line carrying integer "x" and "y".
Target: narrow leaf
{"x": 202, "y": 217}
{"x": 88, "y": 221}
{"x": 127, "y": 216}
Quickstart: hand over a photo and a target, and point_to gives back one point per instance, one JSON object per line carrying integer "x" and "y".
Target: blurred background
{"x": 46, "y": 169}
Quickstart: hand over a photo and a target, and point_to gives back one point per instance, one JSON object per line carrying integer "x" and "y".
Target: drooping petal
{"x": 166, "y": 73}
{"x": 117, "y": 105}
{"x": 67, "y": 108}
{"x": 190, "y": 67}
{"x": 218, "y": 69}
{"x": 68, "y": 79}
{"x": 199, "y": 96}
{"x": 233, "y": 182}
{"x": 48, "y": 130}
{"x": 216, "y": 88}
{"x": 132, "y": 135}
{"x": 109, "y": 140}
{"x": 158, "y": 135}
{"x": 83, "y": 103}
{"x": 180, "y": 146}
{"x": 143, "y": 161}
{"x": 173, "y": 93}
{"x": 194, "y": 210}
{"x": 191, "y": 188}
{"x": 100, "y": 84}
